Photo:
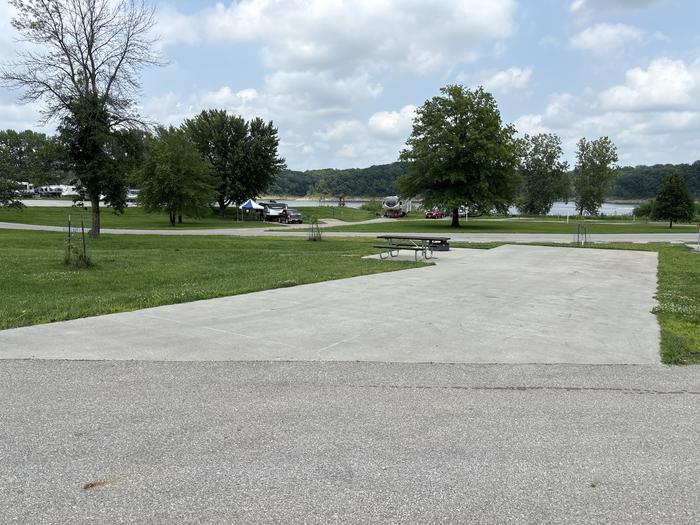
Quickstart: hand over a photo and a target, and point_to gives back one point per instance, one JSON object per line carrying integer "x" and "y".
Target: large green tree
{"x": 544, "y": 173}
{"x": 30, "y": 156}
{"x": 175, "y": 178}
{"x": 243, "y": 154}
{"x": 594, "y": 172}
{"x": 82, "y": 64}
{"x": 673, "y": 201}
{"x": 461, "y": 154}
{"x": 10, "y": 193}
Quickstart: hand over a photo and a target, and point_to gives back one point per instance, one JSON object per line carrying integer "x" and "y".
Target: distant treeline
{"x": 642, "y": 182}
{"x": 633, "y": 182}
{"x": 375, "y": 181}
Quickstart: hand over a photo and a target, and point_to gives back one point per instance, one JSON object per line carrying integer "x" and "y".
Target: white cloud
{"x": 226, "y": 97}
{"x": 342, "y": 130}
{"x": 324, "y": 59}
{"x": 530, "y": 125}
{"x": 22, "y": 116}
{"x": 342, "y": 35}
{"x": 653, "y": 117}
{"x": 577, "y": 5}
{"x": 393, "y": 123}
{"x": 510, "y": 79}
{"x": 322, "y": 86}
{"x": 603, "y": 38}
{"x": 377, "y": 140}
{"x": 580, "y": 5}
{"x": 665, "y": 85}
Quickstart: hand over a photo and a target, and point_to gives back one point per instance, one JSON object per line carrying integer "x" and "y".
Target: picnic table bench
{"x": 419, "y": 245}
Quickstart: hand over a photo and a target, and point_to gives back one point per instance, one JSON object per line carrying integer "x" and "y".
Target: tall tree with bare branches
{"x": 81, "y": 59}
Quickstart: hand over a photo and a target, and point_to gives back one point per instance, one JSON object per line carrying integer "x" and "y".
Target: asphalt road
{"x": 681, "y": 238}
{"x": 265, "y": 442}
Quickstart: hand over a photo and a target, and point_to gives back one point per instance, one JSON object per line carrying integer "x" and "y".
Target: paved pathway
{"x": 642, "y": 238}
{"x": 513, "y": 304}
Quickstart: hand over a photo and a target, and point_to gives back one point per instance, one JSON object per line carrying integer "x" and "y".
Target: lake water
{"x": 559, "y": 208}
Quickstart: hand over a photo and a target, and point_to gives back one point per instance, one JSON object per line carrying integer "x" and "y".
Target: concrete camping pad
{"x": 512, "y": 304}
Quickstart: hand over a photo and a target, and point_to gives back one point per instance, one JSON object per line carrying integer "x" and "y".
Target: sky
{"x": 342, "y": 79}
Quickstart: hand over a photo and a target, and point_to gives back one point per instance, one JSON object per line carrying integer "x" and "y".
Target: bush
{"x": 645, "y": 209}
{"x": 373, "y": 206}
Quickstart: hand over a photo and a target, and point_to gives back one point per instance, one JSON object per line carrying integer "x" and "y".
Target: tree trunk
{"x": 95, "y": 230}
{"x": 455, "y": 218}
{"x": 172, "y": 218}
{"x": 222, "y": 207}
{"x": 179, "y": 218}
{"x": 670, "y": 223}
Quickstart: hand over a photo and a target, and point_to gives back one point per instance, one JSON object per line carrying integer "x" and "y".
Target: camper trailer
{"x": 273, "y": 210}
{"x": 394, "y": 207}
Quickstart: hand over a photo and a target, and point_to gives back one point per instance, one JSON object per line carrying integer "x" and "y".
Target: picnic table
{"x": 419, "y": 245}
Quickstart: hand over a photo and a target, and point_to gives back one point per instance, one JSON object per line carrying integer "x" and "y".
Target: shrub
{"x": 645, "y": 209}
{"x": 373, "y": 206}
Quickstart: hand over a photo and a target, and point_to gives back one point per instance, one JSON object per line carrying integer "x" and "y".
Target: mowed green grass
{"x": 334, "y": 212}
{"x": 132, "y": 218}
{"x": 678, "y": 310}
{"x": 132, "y": 272}
{"x": 136, "y": 218}
{"x": 515, "y": 226}
{"x": 678, "y": 297}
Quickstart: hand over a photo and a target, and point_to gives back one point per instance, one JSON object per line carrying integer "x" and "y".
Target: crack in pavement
{"x": 638, "y": 391}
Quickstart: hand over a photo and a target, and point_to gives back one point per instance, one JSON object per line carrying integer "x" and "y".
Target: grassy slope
{"x": 514, "y": 226}
{"x": 141, "y": 271}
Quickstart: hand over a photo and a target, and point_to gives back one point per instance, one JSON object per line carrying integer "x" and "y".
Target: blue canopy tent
{"x": 252, "y": 210}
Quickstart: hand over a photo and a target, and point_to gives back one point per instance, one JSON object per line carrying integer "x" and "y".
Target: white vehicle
{"x": 394, "y": 207}
{"x": 49, "y": 191}
{"x": 132, "y": 195}
{"x": 27, "y": 187}
{"x": 273, "y": 210}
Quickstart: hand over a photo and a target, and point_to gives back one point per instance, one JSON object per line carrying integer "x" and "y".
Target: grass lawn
{"x": 334, "y": 212}
{"x": 132, "y": 272}
{"x": 678, "y": 296}
{"x": 136, "y": 218}
{"x": 515, "y": 226}
{"x": 133, "y": 218}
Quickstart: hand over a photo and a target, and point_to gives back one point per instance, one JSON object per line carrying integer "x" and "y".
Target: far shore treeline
{"x": 632, "y": 182}
{"x": 32, "y": 157}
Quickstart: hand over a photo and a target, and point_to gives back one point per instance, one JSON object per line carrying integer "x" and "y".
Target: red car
{"x": 434, "y": 214}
